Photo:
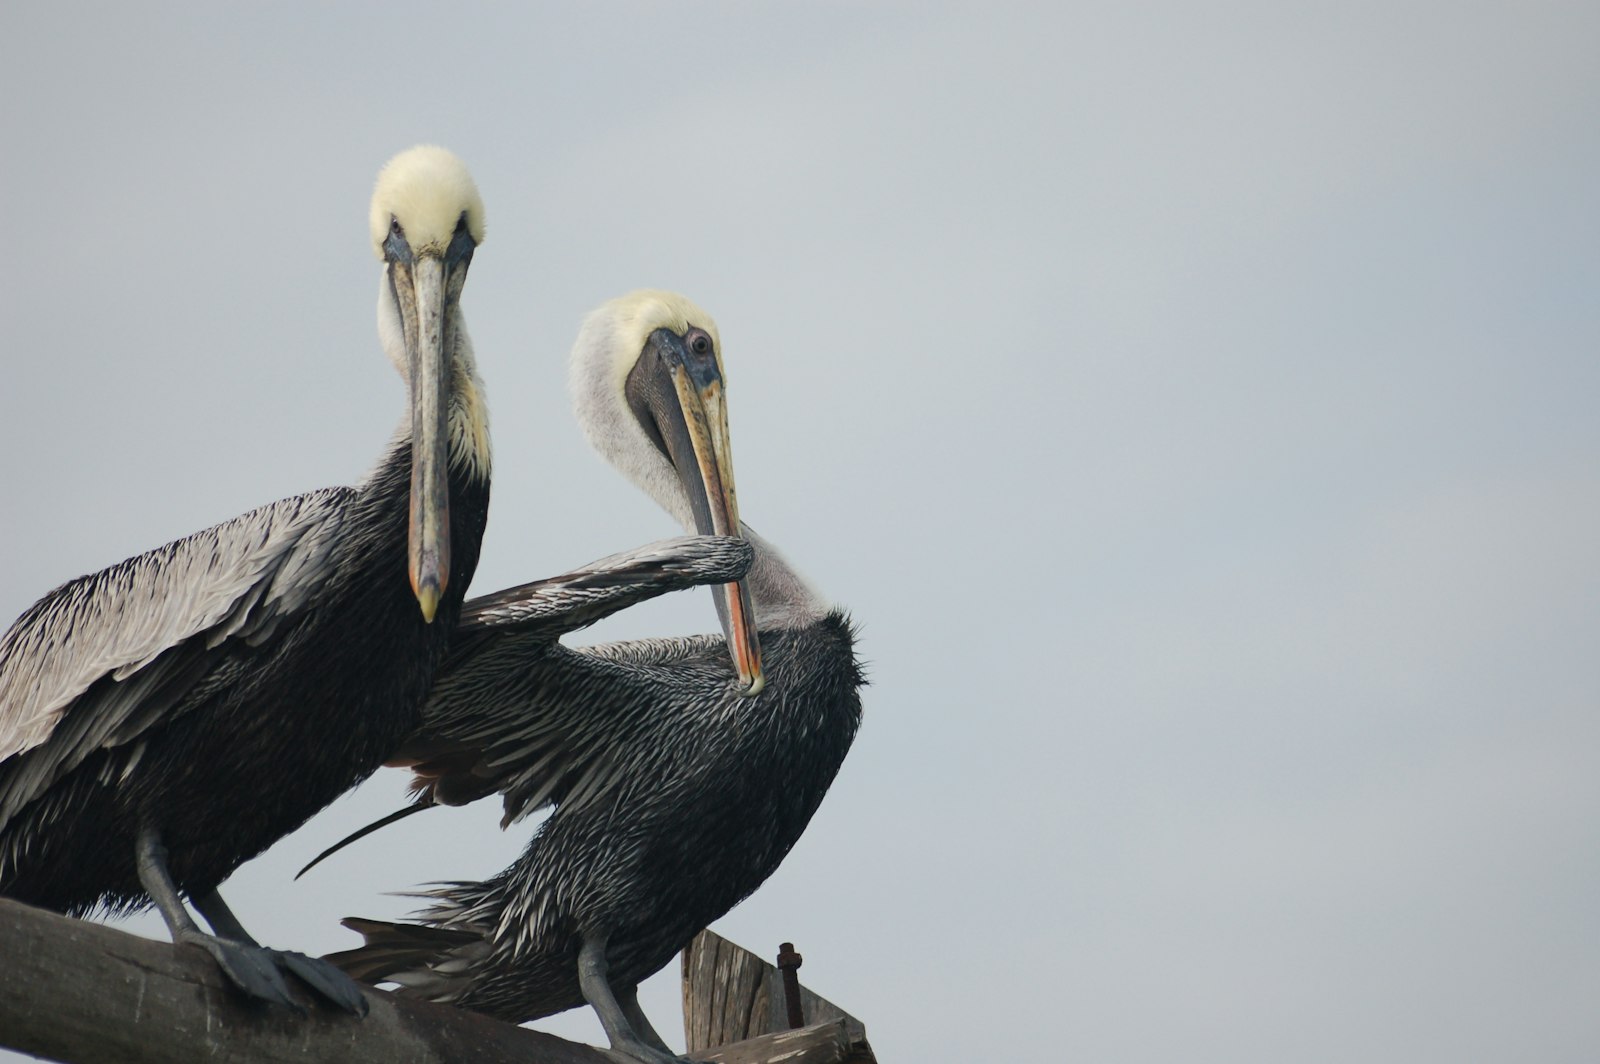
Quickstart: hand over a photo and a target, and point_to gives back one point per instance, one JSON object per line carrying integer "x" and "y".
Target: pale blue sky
{"x": 1195, "y": 405}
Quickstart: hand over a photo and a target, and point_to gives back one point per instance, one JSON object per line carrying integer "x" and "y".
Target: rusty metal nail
{"x": 789, "y": 965}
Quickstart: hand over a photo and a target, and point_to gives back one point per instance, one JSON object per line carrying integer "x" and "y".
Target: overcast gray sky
{"x": 1195, "y": 404}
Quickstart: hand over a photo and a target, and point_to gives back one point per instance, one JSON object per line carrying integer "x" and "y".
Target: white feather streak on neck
{"x": 608, "y": 346}
{"x": 468, "y": 419}
{"x": 781, "y": 596}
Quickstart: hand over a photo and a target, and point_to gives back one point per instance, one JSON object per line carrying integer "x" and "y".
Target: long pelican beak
{"x": 425, "y": 292}
{"x": 691, "y": 414}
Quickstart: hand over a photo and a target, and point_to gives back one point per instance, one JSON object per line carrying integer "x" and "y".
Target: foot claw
{"x": 327, "y": 980}
{"x": 255, "y": 970}
{"x": 250, "y": 968}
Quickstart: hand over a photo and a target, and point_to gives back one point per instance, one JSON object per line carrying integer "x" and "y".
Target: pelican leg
{"x": 597, "y": 992}
{"x": 319, "y": 975}
{"x": 221, "y": 918}
{"x": 629, "y": 1000}
{"x": 247, "y": 967}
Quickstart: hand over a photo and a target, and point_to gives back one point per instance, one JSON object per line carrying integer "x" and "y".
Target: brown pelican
{"x": 675, "y": 789}
{"x": 166, "y": 719}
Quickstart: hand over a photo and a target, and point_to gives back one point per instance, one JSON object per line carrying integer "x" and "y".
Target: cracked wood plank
{"x": 84, "y": 993}
{"x": 731, "y": 995}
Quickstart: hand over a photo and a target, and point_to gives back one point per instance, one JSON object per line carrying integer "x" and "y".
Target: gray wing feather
{"x": 579, "y": 598}
{"x": 143, "y": 626}
{"x": 518, "y": 714}
{"x": 541, "y": 724}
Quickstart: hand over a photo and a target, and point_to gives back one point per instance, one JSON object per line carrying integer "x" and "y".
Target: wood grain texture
{"x": 822, "y": 1043}
{"x": 84, "y": 993}
{"x": 731, "y": 995}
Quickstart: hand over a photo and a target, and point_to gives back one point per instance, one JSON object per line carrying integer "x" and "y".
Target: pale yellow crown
{"x": 629, "y": 320}
{"x": 608, "y": 346}
{"x": 426, "y": 189}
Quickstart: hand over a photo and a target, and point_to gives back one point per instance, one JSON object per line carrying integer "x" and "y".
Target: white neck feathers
{"x": 469, "y": 411}
{"x": 781, "y": 596}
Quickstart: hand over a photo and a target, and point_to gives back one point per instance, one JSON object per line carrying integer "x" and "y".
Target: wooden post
{"x": 730, "y": 994}
{"x": 84, "y": 993}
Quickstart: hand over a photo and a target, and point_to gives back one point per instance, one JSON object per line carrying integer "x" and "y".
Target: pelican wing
{"x": 101, "y": 658}
{"x": 541, "y": 723}
{"x": 574, "y": 600}
{"x": 514, "y": 712}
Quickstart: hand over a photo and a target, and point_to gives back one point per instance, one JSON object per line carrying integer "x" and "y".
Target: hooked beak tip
{"x": 754, "y": 685}
{"x": 428, "y": 599}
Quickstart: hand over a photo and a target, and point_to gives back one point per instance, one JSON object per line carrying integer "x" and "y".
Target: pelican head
{"x": 647, "y": 383}
{"x": 426, "y": 219}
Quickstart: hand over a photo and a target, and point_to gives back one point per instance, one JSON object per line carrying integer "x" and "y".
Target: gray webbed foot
{"x": 258, "y": 973}
{"x": 250, "y": 968}
{"x": 639, "y": 1053}
{"x": 325, "y": 980}
{"x": 322, "y": 978}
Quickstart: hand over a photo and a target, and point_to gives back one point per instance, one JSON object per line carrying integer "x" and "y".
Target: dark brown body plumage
{"x": 674, "y": 799}
{"x": 234, "y": 740}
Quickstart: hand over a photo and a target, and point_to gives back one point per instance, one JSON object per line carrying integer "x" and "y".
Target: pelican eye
{"x": 395, "y": 248}
{"x": 700, "y": 343}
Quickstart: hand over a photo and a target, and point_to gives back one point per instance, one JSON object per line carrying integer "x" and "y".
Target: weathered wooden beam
{"x": 822, "y": 1043}
{"x": 85, "y": 993}
{"x": 731, "y": 995}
